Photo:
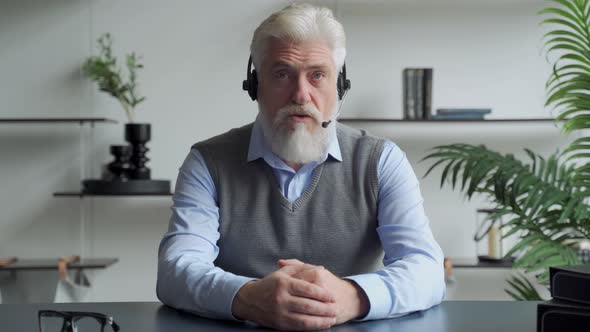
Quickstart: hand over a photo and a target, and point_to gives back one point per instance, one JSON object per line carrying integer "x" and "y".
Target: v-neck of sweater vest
{"x": 302, "y": 200}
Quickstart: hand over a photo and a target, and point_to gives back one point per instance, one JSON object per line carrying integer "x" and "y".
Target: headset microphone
{"x": 325, "y": 124}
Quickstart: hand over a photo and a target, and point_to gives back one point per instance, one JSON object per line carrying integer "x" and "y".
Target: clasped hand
{"x": 300, "y": 296}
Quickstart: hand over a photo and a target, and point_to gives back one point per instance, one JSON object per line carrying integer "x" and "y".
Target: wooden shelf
{"x": 344, "y": 120}
{"x": 82, "y": 194}
{"x": 475, "y": 263}
{"x": 430, "y": 2}
{"x": 51, "y": 264}
{"x": 56, "y": 120}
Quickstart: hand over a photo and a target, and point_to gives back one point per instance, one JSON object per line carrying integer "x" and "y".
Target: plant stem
{"x": 127, "y": 109}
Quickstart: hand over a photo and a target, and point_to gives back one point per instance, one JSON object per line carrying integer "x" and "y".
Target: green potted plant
{"x": 104, "y": 70}
{"x": 545, "y": 199}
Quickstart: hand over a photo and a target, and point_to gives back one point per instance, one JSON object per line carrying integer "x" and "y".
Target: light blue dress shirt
{"x": 412, "y": 278}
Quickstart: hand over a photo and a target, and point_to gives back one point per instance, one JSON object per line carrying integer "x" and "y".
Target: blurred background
{"x": 484, "y": 54}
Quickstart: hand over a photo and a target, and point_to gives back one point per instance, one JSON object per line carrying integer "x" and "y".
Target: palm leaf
{"x": 524, "y": 290}
{"x": 544, "y": 199}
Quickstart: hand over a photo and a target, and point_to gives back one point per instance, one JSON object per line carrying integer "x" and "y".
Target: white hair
{"x": 300, "y": 23}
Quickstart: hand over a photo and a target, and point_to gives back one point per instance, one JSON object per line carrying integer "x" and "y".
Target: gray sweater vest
{"x": 333, "y": 223}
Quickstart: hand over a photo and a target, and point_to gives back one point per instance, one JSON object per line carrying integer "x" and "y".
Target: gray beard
{"x": 294, "y": 143}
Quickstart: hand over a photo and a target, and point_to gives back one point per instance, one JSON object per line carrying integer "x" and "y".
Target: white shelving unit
{"x": 21, "y": 269}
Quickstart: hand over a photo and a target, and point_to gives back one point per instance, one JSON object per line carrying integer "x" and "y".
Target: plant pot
{"x": 138, "y": 134}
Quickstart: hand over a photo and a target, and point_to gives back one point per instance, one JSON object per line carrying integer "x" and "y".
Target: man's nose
{"x": 302, "y": 92}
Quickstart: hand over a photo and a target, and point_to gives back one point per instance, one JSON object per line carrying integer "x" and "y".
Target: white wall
{"x": 484, "y": 54}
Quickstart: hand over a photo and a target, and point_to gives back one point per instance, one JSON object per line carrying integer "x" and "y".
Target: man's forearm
{"x": 186, "y": 284}
{"x": 239, "y": 307}
{"x": 359, "y": 303}
{"x": 404, "y": 286}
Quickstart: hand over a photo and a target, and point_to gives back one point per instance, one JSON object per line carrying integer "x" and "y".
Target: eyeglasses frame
{"x": 69, "y": 316}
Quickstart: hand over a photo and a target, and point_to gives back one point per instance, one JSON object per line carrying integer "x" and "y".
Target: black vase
{"x": 119, "y": 168}
{"x": 138, "y": 134}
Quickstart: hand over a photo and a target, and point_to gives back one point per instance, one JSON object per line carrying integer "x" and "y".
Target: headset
{"x": 250, "y": 84}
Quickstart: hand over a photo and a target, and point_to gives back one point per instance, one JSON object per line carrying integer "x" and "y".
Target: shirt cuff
{"x": 229, "y": 292}
{"x": 379, "y": 295}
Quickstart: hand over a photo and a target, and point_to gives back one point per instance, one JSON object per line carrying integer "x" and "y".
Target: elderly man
{"x": 294, "y": 222}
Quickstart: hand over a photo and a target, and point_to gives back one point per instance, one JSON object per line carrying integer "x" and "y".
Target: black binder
{"x": 571, "y": 283}
{"x": 558, "y": 316}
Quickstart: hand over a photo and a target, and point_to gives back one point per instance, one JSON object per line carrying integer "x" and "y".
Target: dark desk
{"x": 456, "y": 316}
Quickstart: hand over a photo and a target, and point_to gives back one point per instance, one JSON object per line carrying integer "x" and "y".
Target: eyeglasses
{"x": 75, "y": 321}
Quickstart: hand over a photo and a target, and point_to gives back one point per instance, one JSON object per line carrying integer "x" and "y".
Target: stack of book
{"x": 461, "y": 113}
{"x": 569, "y": 308}
{"x": 417, "y": 85}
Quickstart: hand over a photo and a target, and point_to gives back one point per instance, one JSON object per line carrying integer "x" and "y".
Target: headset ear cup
{"x": 340, "y": 85}
{"x": 250, "y": 84}
{"x": 253, "y": 85}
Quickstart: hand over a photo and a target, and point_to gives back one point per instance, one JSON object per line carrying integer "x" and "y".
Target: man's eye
{"x": 281, "y": 75}
{"x": 317, "y": 75}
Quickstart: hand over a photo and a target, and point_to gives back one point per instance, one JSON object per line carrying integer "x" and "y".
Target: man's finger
{"x": 312, "y": 307}
{"x": 308, "y": 322}
{"x": 306, "y": 289}
{"x": 288, "y": 262}
{"x": 291, "y": 270}
{"x": 309, "y": 275}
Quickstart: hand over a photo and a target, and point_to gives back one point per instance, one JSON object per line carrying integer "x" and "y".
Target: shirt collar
{"x": 259, "y": 148}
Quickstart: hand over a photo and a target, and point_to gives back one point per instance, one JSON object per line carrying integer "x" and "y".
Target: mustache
{"x": 302, "y": 110}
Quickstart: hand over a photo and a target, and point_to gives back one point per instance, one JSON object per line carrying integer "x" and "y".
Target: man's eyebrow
{"x": 280, "y": 64}
{"x": 322, "y": 66}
